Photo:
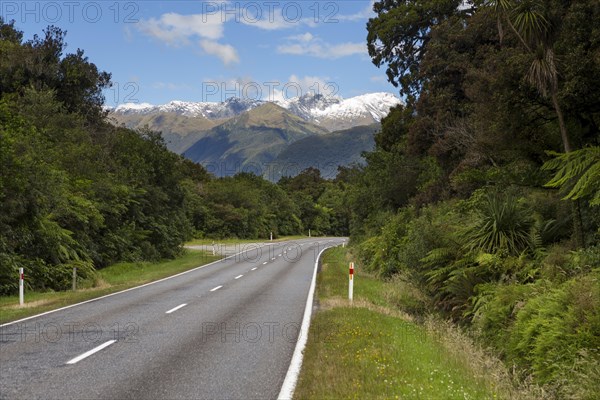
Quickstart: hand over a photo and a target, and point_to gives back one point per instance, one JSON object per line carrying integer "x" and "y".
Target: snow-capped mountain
{"x": 226, "y": 109}
{"x": 330, "y": 112}
{"x": 336, "y": 113}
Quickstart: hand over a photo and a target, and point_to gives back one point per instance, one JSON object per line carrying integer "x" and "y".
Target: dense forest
{"x": 481, "y": 198}
{"x": 485, "y": 187}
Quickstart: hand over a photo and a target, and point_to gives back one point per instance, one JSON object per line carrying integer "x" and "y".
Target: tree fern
{"x": 578, "y": 172}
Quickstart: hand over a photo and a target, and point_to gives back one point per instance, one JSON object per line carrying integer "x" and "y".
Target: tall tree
{"x": 537, "y": 27}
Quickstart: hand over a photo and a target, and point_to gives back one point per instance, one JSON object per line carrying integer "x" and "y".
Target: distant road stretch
{"x": 223, "y": 331}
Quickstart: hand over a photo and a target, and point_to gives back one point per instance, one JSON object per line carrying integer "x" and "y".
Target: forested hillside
{"x": 484, "y": 190}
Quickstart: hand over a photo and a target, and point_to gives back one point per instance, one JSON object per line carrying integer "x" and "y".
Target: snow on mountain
{"x": 336, "y": 113}
{"x": 226, "y": 109}
{"x": 330, "y": 112}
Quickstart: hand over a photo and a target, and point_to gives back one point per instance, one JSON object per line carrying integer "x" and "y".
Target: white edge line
{"x": 92, "y": 351}
{"x": 216, "y": 288}
{"x": 238, "y": 277}
{"x": 176, "y": 308}
{"x": 291, "y": 377}
{"x": 126, "y": 290}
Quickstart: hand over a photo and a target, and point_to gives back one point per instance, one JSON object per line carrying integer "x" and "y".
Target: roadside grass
{"x": 372, "y": 349}
{"x": 208, "y": 242}
{"x": 108, "y": 280}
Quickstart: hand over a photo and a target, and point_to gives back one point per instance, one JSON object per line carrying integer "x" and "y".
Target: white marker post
{"x": 21, "y": 288}
{"x": 271, "y": 236}
{"x": 351, "y": 282}
{"x": 74, "y": 279}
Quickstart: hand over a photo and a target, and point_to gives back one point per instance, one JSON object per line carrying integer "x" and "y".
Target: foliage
{"x": 578, "y": 172}
{"x": 75, "y": 191}
{"x": 459, "y": 179}
{"x": 503, "y": 225}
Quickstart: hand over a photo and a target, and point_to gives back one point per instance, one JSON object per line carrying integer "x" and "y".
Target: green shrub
{"x": 553, "y": 328}
{"x": 503, "y": 225}
{"x": 495, "y": 308}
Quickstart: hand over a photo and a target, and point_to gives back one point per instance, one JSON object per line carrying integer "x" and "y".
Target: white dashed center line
{"x": 239, "y": 276}
{"x": 217, "y": 288}
{"x": 176, "y": 308}
{"x": 265, "y": 263}
{"x": 92, "y": 351}
{"x": 253, "y": 269}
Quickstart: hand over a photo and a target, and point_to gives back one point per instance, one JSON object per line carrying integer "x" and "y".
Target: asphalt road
{"x": 223, "y": 331}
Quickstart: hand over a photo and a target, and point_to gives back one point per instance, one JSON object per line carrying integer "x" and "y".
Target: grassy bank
{"x": 373, "y": 350}
{"x": 208, "y": 242}
{"x": 108, "y": 280}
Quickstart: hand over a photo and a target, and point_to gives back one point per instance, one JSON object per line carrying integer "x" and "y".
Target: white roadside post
{"x": 74, "y": 278}
{"x": 21, "y": 288}
{"x": 271, "y": 236}
{"x": 351, "y": 282}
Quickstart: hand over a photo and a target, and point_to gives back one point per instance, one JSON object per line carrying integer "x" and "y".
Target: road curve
{"x": 223, "y": 331}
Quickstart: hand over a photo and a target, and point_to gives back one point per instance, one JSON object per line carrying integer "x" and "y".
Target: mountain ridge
{"x": 240, "y": 135}
{"x": 331, "y": 112}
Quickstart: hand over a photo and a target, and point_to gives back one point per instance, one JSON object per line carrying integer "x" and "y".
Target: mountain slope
{"x": 325, "y": 152}
{"x": 178, "y": 131}
{"x": 250, "y": 141}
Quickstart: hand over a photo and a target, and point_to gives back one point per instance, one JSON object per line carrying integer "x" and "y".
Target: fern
{"x": 578, "y": 172}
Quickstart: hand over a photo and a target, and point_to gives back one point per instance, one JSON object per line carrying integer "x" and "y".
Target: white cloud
{"x": 177, "y": 29}
{"x": 225, "y": 52}
{"x": 306, "y": 37}
{"x": 245, "y": 87}
{"x": 310, "y": 45}
{"x": 180, "y": 30}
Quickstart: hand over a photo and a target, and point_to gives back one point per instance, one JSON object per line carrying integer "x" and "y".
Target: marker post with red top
{"x": 351, "y": 282}
{"x": 21, "y": 293}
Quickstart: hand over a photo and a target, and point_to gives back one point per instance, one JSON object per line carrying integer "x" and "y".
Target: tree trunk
{"x": 577, "y": 221}
{"x": 561, "y": 122}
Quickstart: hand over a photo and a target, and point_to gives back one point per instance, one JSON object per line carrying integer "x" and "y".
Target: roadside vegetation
{"x": 108, "y": 280}
{"x": 372, "y": 349}
{"x": 483, "y": 188}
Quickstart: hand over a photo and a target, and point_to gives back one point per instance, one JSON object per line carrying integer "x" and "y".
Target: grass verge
{"x": 109, "y": 280}
{"x": 208, "y": 242}
{"x": 371, "y": 349}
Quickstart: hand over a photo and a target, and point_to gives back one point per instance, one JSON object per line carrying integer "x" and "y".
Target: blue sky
{"x": 158, "y": 51}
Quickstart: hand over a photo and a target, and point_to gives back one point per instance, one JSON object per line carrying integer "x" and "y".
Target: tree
{"x": 537, "y": 28}
{"x": 399, "y": 35}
